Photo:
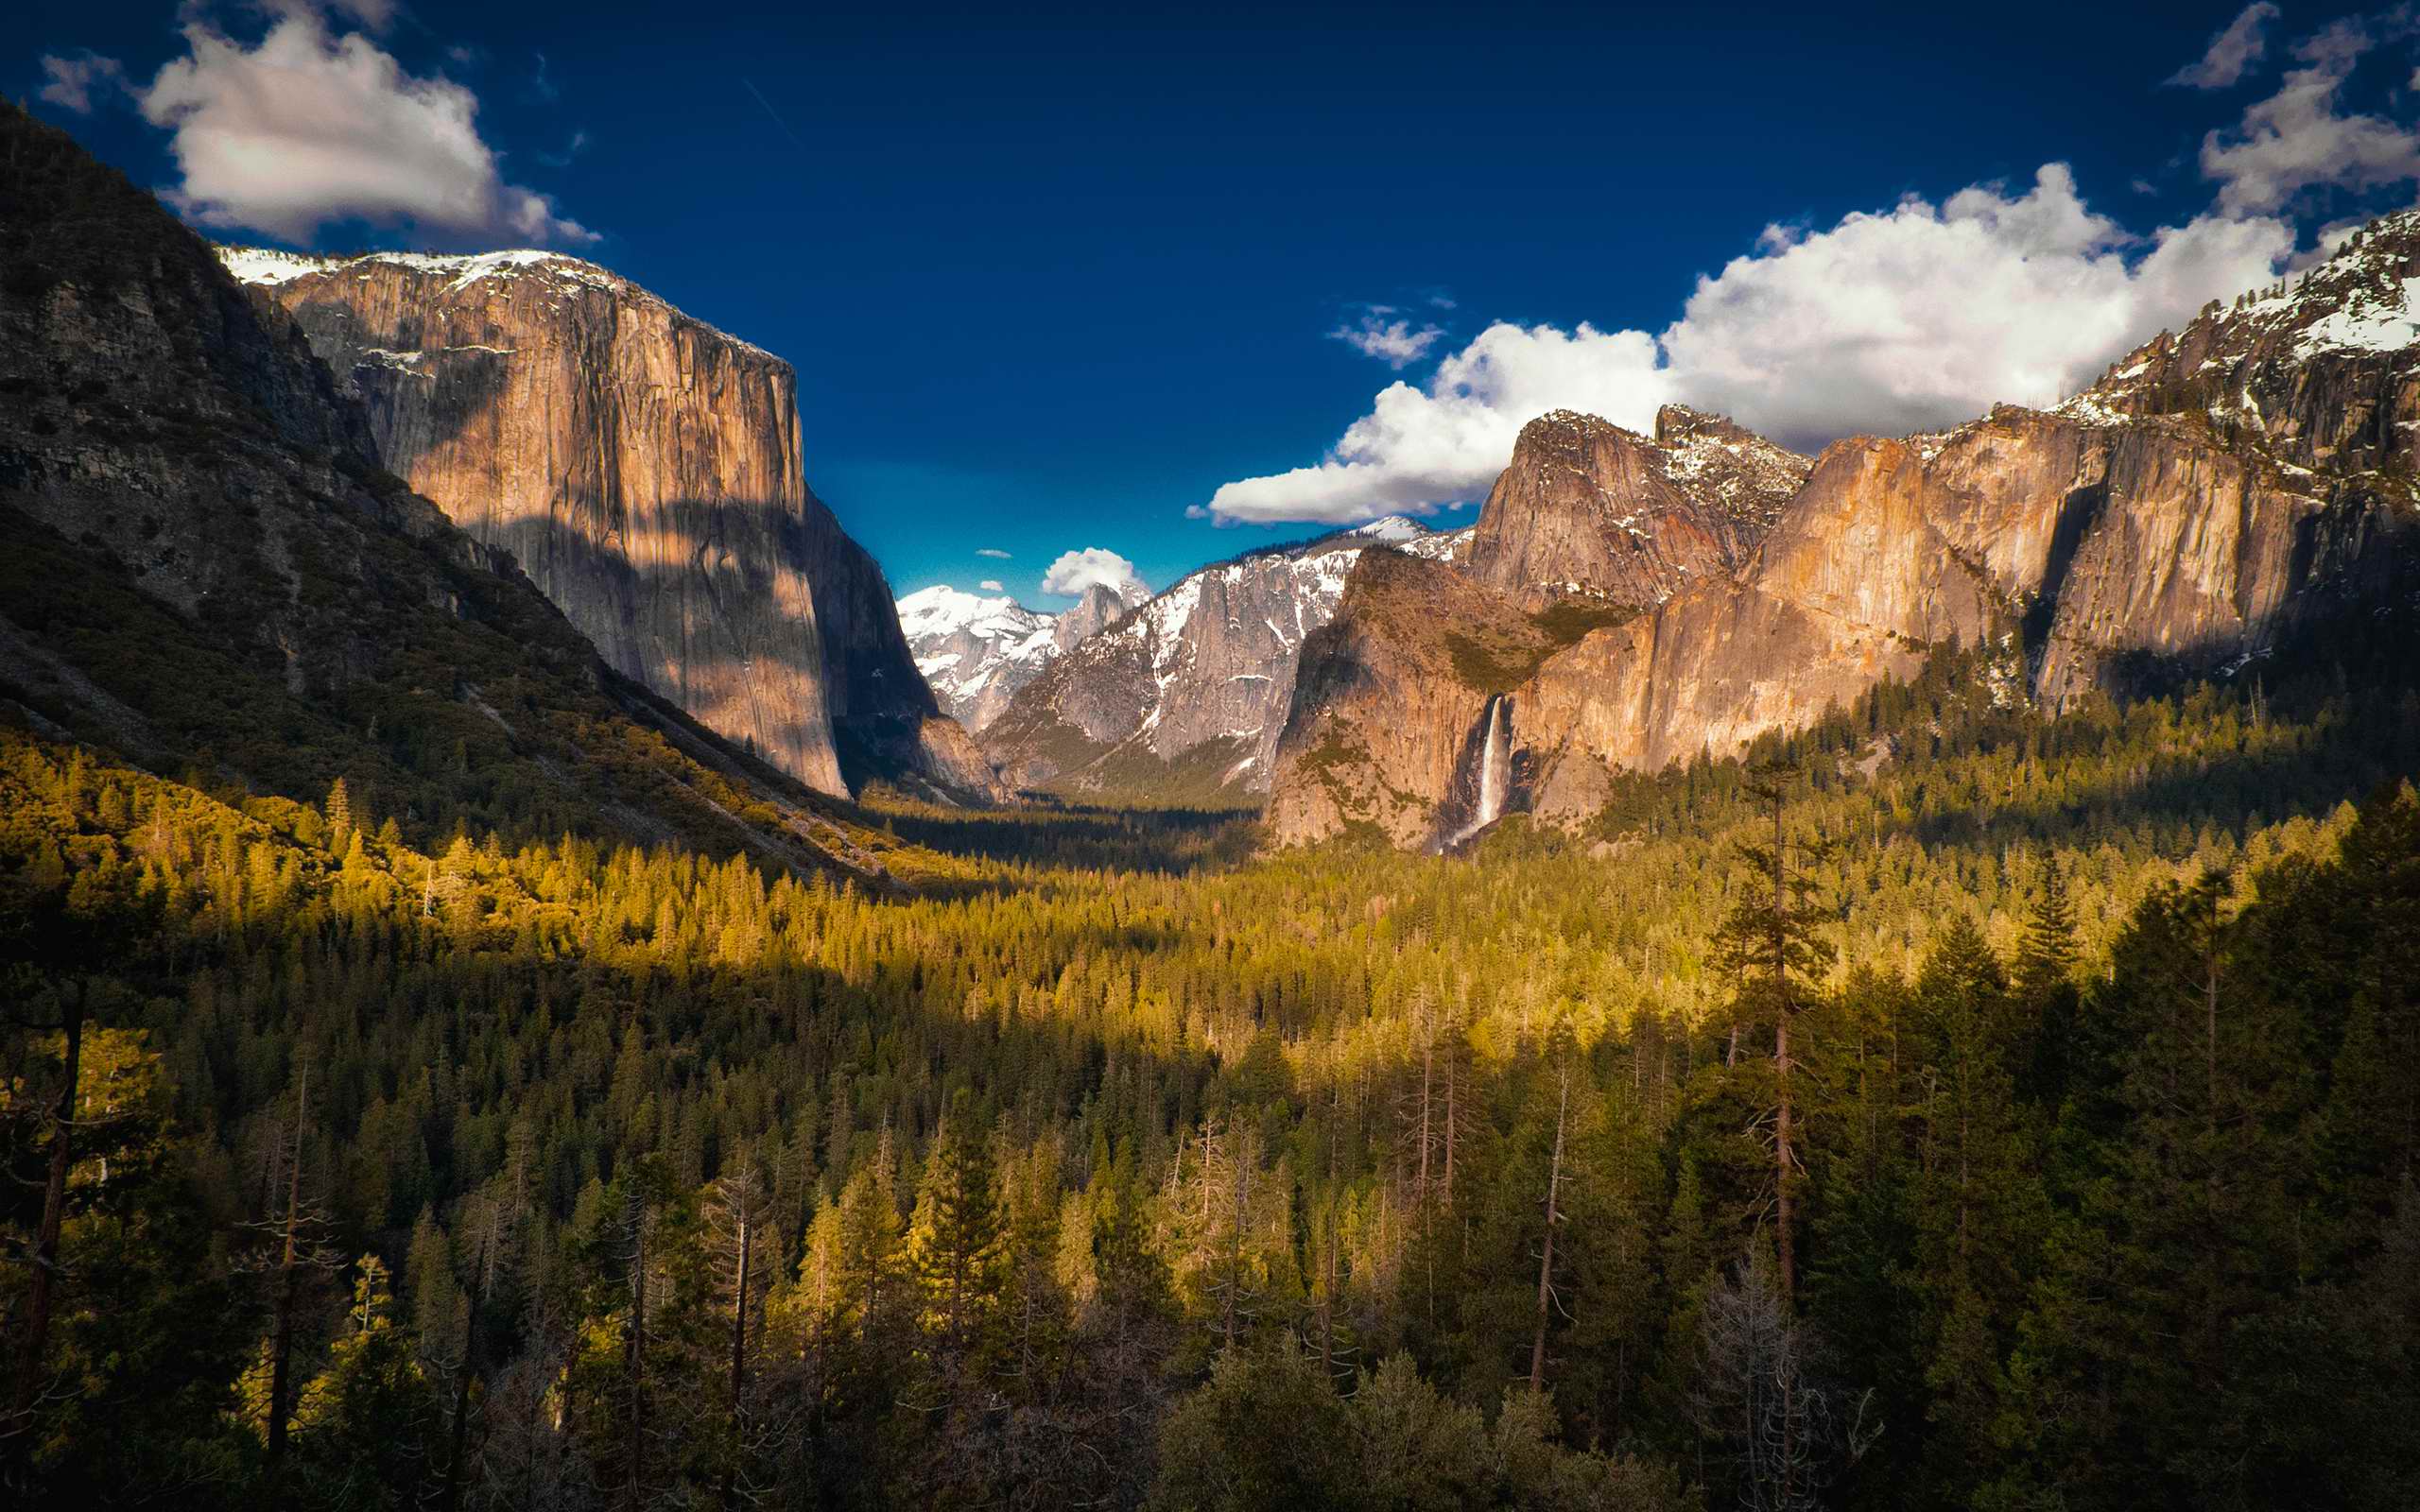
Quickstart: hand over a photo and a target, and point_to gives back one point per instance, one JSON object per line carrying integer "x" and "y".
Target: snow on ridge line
{"x": 267, "y": 266}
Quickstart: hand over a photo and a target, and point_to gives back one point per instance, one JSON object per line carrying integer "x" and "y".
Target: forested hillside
{"x": 418, "y": 1165}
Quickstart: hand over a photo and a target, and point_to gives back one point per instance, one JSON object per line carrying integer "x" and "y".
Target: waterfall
{"x": 1495, "y": 768}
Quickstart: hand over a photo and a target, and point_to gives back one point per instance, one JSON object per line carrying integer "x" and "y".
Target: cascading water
{"x": 1494, "y": 769}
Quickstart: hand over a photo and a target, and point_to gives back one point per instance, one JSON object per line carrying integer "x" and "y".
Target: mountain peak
{"x": 2311, "y": 366}
{"x": 1588, "y": 509}
{"x": 1393, "y": 528}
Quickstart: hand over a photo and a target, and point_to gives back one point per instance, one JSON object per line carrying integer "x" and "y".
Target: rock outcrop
{"x": 644, "y": 468}
{"x": 1185, "y": 696}
{"x": 1588, "y": 512}
{"x": 1389, "y": 698}
{"x": 1097, "y": 609}
{"x": 2218, "y": 492}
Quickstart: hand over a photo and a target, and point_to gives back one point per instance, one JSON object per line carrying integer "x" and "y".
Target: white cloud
{"x": 1924, "y": 316}
{"x": 1906, "y": 319}
{"x": 309, "y": 127}
{"x": 71, "y": 81}
{"x": 1393, "y": 342}
{"x": 990, "y": 551}
{"x": 1420, "y": 448}
{"x": 1094, "y": 566}
{"x": 2295, "y": 138}
{"x": 2243, "y": 43}
{"x": 991, "y": 585}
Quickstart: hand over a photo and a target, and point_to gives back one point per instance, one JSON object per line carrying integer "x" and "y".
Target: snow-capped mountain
{"x": 1186, "y": 695}
{"x": 976, "y": 652}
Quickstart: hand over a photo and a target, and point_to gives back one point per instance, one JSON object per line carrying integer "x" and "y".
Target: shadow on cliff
{"x": 469, "y": 385}
{"x": 2330, "y": 714}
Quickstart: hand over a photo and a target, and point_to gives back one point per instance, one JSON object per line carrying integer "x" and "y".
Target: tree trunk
{"x": 1784, "y": 1204}
{"x": 462, "y": 1432}
{"x": 54, "y": 1209}
{"x": 739, "y": 1359}
{"x": 1235, "y": 1248}
{"x": 282, "y": 1335}
{"x": 635, "y": 1365}
{"x": 1545, "y": 1259}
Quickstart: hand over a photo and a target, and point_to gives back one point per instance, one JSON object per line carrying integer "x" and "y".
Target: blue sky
{"x": 1054, "y": 278}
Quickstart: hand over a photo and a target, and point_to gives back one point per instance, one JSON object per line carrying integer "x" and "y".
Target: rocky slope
{"x": 202, "y": 568}
{"x": 644, "y": 468}
{"x": 2221, "y": 490}
{"x": 977, "y": 651}
{"x": 1185, "y": 696}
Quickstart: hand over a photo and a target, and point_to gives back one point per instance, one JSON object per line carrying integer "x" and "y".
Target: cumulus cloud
{"x": 1924, "y": 316}
{"x": 2298, "y": 139}
{"x": 990, "y": 551}
{"x": 1894, "y": 321}
{"x": 309, "y": 126}
{"x": 1093, "y": 567}
{"x": 1393, "y": 342}
{"x": 1420, "y": 448}
{"x": 991, "y": 585}
{"x": 2243, "y": 43}
{"x": 72, "y": 82}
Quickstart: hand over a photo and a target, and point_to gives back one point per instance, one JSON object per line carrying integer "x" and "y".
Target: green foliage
{"x": 1036, "y": 1141}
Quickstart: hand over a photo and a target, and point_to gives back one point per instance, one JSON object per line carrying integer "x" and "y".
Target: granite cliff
{"x": 2220, "y": 491}
{"x": 207, "y": 572}
{"x": 1587, "y": 511}
{"x": 645, "y": 469}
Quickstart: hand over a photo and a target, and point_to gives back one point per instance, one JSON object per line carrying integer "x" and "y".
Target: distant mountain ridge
{"x": 977, "y": 651}
{"x": 1184, "y": 696}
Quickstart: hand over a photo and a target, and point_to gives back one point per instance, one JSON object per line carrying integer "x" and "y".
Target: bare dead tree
{"x": 1554, "y": 1216}
{"x": 740, "y": 1218}
{"x": 33, "y": 1349}
{"x": 1761, "y": 1388}
{"x": 300, "y": 1233}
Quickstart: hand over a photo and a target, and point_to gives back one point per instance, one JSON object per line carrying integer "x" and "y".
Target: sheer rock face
{"x": 644, "y": 468}
{"x": 884, "y": 715}
{"x": 2218, "y": 490}
{"x": 1188, "y": 692}
{"x": 1589, "y": 511}
{"x": 1099, "y": 609}
{"x": 170, "y": 436}
{"x": 1383, "y": 706}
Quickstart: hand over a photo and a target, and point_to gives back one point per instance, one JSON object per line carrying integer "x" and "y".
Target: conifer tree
{"x": 956, "y": 1246}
